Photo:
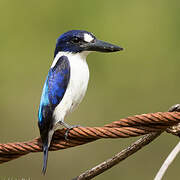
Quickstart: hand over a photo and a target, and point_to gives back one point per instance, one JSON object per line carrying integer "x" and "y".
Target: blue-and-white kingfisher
{"x": 66, "y": 82}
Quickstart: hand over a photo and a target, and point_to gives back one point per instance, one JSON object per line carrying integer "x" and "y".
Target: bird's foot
{"x": 68, "y": 129}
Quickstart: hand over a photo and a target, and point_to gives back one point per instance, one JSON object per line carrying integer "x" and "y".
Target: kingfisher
{"x": 66, "y": 82}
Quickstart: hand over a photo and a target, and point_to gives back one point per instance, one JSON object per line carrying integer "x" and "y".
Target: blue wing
{"x": 54, "y": 90}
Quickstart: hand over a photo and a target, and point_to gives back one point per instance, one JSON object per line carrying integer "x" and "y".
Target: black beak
{"x": 102, "y": 46}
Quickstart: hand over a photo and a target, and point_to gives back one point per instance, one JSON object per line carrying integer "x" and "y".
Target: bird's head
{"x": 77, "y": 41}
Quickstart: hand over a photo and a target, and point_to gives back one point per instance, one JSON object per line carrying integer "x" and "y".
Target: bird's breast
{"x": 79, "y": 77}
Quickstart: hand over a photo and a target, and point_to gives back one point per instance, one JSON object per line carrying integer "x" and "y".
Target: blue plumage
{"x": 44, "y": 100}
{"x": 58, "y": 80}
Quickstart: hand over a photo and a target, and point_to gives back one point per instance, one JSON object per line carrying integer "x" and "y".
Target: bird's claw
{"x": 67, "y": 131}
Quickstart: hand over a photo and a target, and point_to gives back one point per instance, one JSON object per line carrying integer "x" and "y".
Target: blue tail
{"x": 45, "y": 150}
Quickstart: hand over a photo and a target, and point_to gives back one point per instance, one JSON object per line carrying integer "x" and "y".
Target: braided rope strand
{"x": 127, "y": 127}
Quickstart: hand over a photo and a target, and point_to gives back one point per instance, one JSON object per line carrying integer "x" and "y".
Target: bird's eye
{"x": 76, "y": 40}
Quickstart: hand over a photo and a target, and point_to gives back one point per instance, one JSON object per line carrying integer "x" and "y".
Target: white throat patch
{"x": 88, "y": 37}
{"x": 81, "y": 56}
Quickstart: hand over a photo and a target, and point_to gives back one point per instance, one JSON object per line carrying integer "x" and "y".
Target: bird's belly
{"x": 79, "y": 77}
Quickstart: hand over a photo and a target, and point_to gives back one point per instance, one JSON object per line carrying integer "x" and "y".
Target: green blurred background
{"x": 143, "y": 78}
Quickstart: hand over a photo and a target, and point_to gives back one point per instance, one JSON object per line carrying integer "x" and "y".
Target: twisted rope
{"x": 128, "y": 127}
